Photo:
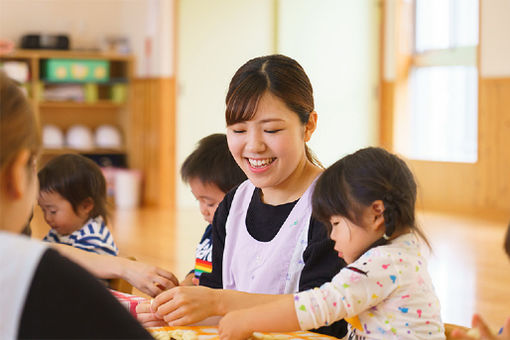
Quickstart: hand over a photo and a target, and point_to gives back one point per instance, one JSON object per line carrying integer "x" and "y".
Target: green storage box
{"x": 74, "y": 70}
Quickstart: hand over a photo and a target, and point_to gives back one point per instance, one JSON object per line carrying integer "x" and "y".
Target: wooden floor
{"x": 468, "y": 266}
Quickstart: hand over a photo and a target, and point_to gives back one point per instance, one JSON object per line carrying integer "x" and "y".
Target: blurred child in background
{"x": 72, "y": 197}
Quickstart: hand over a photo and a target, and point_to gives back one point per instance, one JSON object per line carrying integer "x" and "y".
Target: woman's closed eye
{"x": 273, "y": 131}
{"x": 238, "y": 131}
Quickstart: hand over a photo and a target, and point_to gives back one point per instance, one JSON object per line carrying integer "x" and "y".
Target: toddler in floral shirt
{"x": 368, "y": 201}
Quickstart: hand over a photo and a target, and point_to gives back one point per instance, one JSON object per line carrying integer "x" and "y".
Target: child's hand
{"x": 146, "y": 317}
{"x": 182, "y": 306}
{"x": 484, "y": 333}
{"x": 189, "y": 280}
{"x": 147, "y": 278}
{"x": 234, "y": 326}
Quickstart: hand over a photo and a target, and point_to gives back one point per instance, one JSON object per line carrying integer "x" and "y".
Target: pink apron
{"x": 272, "y": 267}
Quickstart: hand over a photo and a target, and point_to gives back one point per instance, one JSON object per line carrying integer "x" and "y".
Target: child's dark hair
{"x": 212, "y": 162}
{"x": 357, "y": 180}
{"x": 75, "y": 178}
{"x": 277, "y": 74}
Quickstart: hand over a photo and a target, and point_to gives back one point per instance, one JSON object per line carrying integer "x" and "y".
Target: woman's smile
{"x": 260, "y": 164}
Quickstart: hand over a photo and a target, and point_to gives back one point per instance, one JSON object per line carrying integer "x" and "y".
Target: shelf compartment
{"x": 110, "y": 82}
{"x": 104, "y": 104}
{"x": 94, "y": 151}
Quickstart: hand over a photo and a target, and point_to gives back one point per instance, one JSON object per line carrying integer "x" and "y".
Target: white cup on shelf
{"x": 80, "y": 137}
{"x": 53, "y": 137}
{"x": 108, "y": 136}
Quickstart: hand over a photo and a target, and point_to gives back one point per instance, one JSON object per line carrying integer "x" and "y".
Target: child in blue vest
{"x": 73, "y": 199}
{"x": 211, "y": 172}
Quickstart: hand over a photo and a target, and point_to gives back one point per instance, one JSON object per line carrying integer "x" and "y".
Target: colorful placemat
{"x": 129, "y": 301}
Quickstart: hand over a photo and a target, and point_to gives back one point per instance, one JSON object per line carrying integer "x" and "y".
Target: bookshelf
{"x": 103, "y": 108}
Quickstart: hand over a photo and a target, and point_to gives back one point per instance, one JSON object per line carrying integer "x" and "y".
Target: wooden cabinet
{"x": 146, "y": 118}
{"x": 101, "y": 103}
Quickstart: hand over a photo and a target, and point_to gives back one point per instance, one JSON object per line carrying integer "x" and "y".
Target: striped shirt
{"x": 94, "y": 237}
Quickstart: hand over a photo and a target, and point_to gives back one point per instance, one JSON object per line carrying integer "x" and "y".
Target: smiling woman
{"x": 269, "y": 149}
{"x": 265, "y": 238}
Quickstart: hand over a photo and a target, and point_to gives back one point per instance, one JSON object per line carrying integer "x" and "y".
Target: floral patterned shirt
{"x": 386, "y": 294}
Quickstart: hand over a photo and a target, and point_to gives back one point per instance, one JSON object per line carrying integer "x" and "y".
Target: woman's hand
{"x": 483, "y": 331}
{"x": 148, "y": 318}
{"x": 182, "y": 306}
{"x": 147, "y": 278}
{"x": 235, "y": 326}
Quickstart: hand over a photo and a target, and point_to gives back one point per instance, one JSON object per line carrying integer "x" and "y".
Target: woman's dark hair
{"x": 212, "y": 162}
{"x": 354, "y": 182}
{"x": 281, "y": 76}
{"x": 18, "y": 125}
{"x": 75, "y": 178}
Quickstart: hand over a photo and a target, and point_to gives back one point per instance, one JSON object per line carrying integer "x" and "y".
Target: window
{"x": 443, "y": 82}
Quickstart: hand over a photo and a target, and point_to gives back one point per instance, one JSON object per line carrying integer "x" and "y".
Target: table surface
{"x": 211, "y": 333}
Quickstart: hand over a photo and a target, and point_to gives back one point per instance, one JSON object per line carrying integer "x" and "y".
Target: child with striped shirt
{"x": 73, "y": 199}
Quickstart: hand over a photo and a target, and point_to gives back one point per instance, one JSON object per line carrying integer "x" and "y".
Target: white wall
{"x": 337, "y": 43}
{"x": 88, "y": 21}
{"x": 214, "y": 39}
{"x": 494, "y": 39}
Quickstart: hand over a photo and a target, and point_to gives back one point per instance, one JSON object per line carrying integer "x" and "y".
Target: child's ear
{"x": 86, "y": 206}
{"x": 376, "y": 213}
{"x": 17, "y": 176}
{"x": 310, "y": 126}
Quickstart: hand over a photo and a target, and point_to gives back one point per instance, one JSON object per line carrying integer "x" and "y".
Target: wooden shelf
{"x": 110, "y": 82}
{"x": 102, "y": 104}
{"x": 50, "y": 54}
{"x": 95, "y": 151}
{"x": 64, "y": 114}
{"x": 146, "y": 121}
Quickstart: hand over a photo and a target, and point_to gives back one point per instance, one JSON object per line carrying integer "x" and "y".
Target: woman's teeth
{"x": 260, "y": 163}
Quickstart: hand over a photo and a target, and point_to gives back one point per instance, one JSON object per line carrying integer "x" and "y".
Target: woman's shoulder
{"x": 221, "y": 214}
{"x": 226, "y": 203}
{"x": 10, "y": 244}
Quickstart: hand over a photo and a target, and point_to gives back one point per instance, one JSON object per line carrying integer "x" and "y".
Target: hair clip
{"x": 386, "y": 237}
